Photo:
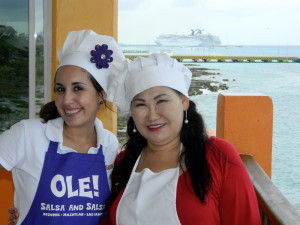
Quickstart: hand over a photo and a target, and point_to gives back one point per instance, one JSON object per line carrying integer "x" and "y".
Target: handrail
{"x": 275, "y": 208}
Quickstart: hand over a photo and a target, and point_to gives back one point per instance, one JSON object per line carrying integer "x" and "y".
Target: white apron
{"x": 149, "y": 198}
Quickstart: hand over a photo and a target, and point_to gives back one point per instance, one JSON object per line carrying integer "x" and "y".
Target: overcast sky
{"x": 236, "y": 22}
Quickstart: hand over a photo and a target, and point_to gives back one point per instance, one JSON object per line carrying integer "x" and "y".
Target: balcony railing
{"x": 275, "y": 209}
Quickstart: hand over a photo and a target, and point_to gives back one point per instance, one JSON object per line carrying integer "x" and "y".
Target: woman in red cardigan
{"x": 171, "y": 172}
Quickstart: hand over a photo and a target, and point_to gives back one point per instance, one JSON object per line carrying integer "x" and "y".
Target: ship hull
{"x": 187, "y": 41}
{"x": 179, "y": 42}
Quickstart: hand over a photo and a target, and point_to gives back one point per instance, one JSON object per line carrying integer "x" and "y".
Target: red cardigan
{"x": 231, "y": 201}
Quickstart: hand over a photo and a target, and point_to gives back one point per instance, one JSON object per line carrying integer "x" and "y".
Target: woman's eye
{"x": 77, "y": 88}
{"x": 161, "y": 101}
{"x": 59, "y": 89}
{"x": 139, "y": 105}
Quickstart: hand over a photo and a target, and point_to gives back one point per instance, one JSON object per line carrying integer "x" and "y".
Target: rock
{"x": 197, "y": 85}
{"x": 223, "y": 87}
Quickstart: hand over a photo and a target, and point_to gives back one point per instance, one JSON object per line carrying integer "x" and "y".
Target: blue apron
{"x": 72, "y": 189}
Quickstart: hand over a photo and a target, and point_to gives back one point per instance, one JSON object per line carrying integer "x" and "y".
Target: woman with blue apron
{"x": 61, "y": 163}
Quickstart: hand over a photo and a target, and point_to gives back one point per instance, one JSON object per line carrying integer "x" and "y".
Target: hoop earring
{"x": 134, "y": 129}
{"x": 186, "y": 120}
{"x": 101, "y": 102}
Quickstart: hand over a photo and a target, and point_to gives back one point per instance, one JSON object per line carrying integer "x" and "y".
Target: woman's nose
{"x": 68, "y": 97}
{"x": 153, "y": 113}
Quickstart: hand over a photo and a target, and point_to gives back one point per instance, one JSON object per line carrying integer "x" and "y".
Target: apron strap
{"x": 53, "y": 146}
{"x": 53, "y": 149}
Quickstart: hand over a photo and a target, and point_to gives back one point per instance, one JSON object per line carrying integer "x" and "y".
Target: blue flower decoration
{"x": 101, "y": 56}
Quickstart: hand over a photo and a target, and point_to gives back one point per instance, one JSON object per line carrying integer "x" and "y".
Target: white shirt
{"x": 23, "y": 149}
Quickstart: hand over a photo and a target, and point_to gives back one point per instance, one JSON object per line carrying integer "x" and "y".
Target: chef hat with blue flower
{"x": 98, "y": 54}
{"x": 158, "y": 69}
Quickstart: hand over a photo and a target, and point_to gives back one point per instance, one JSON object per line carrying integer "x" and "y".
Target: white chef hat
{"x": 159, "y": 69}
{"x": 98, "y": 54}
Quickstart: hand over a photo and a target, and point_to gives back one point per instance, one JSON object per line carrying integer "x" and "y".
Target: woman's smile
{"x": 72, "y": 112}
{"x": 156, "y": 127}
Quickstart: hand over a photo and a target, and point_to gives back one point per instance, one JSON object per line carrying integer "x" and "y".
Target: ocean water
{"x": 280, "y": 81}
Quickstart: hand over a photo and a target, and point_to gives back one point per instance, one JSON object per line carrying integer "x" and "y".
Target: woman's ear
{"x": 102, "y": 96}
{"x": 185, "y": 102}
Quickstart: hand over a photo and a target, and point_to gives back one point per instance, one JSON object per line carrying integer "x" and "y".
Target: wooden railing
{"x": 274, "y": 207}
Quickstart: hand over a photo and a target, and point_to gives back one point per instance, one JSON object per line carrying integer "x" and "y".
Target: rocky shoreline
{"x": 199, "y": 83}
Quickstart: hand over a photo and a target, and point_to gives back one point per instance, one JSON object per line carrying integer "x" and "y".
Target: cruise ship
{"x": 194, "y": 39}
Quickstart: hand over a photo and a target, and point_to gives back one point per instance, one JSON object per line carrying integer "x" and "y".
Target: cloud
{"x": 234, "y": 21}
{"x": 185, "y": 3}
{"x": 128, "y": 5}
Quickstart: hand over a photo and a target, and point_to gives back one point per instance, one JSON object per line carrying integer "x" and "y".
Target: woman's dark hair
{"x": 193, "y": 137}
{"x": 49, "y": 110}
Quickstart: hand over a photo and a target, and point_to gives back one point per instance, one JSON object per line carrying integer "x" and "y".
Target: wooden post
{"x": 100, "y": 16}
{"x": 246, "y": 120}
{"x": 6, "y": 195}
